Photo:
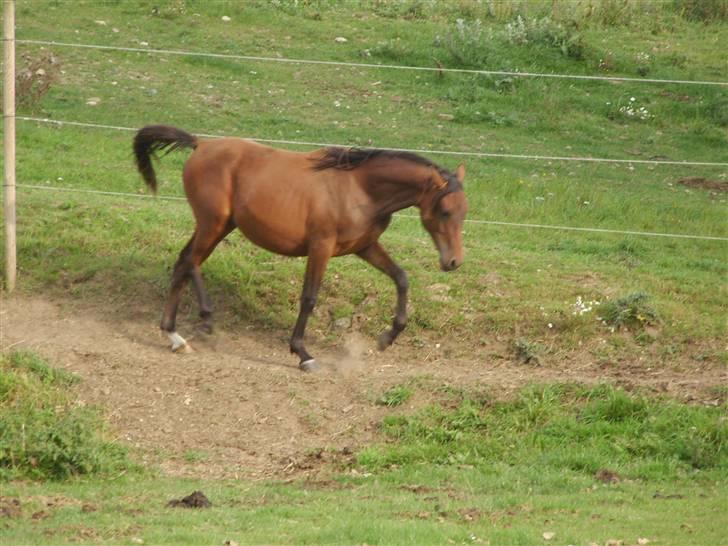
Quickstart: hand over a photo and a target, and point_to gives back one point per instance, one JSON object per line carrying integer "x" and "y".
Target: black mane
{"x": 347, "y": 159}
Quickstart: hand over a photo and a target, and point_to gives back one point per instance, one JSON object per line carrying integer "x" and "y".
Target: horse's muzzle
{"x": 450, "y": 265}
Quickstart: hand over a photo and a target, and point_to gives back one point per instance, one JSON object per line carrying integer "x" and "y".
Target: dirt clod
{"x": 607, "y": 476}
{"x": 194, "y": 500}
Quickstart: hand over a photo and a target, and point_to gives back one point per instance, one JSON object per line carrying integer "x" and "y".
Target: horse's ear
{"x": 460, "y": 173}
{"x": 438, "y": 181}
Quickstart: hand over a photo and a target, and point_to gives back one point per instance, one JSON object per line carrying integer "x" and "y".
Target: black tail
{"x": 152, "y": 138}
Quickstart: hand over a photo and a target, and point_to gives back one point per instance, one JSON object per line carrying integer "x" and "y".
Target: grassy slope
{"x": 515, "y": 283}
{"x": 540, "y": 273}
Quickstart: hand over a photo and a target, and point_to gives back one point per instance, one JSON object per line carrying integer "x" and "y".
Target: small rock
{"x": 613, "y": 542}
{"x": 340, "y": 40}
{"x": 342, "y": 323}
{"x": 643, "y": 541}
{"x": 230, "y": 543}
{"x": 100, "y": 22}
{"x": 226, "y": 18}
{"x": 137, "y": 540}
{"x": 446, "y": 117}
{"x": 93, "y": 101}
{"x": 439, "y": 287}
{"x": 548, "y": 535}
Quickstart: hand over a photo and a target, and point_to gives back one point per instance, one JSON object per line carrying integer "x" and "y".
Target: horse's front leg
{"x": 318, "y": 256}
{"x": 378, "y": 257}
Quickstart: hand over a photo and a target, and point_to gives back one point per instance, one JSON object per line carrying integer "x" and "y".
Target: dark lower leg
{"x": 318, "y": 257}
{"x": 297, "y": 347}
{"x": 180, "y": 276}
{"x": 378, "y": 257}
{"x": 201, "y": 250}
{"x": 203, "y": 300}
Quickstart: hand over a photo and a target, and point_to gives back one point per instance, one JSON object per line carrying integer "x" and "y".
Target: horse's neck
{"x": 395, "y": 188}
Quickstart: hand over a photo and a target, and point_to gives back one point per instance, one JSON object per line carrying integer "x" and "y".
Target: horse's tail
{"x": 152, "y": 138}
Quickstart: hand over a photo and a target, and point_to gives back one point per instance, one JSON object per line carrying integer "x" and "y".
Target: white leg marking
{"x": 177, "y": 340}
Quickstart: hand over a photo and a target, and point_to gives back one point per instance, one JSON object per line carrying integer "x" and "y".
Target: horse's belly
{"x": 280, "y": 241}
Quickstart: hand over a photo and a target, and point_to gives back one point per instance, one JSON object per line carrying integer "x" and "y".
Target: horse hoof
{"x": 308, "y": 365}
{"x": 179, "y": 344}
{"x": 206, "y": 328}
{"x": 384, "y": 341}
{"x": 182, "y": 349}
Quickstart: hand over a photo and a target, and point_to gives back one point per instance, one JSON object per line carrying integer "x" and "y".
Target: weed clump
{"x": 545, "y": 31}
{"x": 35, "y": 78}
{"x": 395, "y": 396}
{"x": 632, "y": 312}
{"x": 527, "y": 352}
{"x": 467, "y": 43}
{"x": 43, "y": 434}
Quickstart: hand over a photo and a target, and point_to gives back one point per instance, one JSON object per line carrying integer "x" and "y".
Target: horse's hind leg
{"x": 207, "y": 245}
{"x": 318, "y": 256}
{"x": 378, "y": 257}
{"x": 200, "y": 246}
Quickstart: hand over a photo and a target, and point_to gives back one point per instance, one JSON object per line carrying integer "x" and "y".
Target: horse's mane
{"x": 347, "y": 159}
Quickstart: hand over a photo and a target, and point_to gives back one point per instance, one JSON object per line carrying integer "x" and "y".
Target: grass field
{"x": 441, "y": 474}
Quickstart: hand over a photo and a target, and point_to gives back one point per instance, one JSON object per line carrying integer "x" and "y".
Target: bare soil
{"x": 238, "y": 406}
{"x": 704, "y": 183}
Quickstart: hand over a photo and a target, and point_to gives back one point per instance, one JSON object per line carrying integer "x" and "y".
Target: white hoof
{"x": 179, "y": 344}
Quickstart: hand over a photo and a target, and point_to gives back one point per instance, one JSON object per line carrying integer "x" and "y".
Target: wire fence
{"x": 478, "y": 154}
{"x": 371, "y": 65}
{"x": 413, "y": 150}
{"x": 409, "y": 216}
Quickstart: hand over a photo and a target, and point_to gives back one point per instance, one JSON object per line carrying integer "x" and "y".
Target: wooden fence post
{"x": 9, "y": 142}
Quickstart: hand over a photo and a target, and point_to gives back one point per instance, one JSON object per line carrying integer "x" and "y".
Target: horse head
{"x": 442, "y": 210}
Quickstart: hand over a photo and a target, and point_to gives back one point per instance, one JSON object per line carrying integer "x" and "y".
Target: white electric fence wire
{"x": 369, "y": 65}
{"x": 411, "y": 216}
{"x": 413, "y": 150}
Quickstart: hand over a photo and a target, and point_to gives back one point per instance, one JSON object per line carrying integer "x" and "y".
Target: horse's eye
{"x": 444, "y": 214}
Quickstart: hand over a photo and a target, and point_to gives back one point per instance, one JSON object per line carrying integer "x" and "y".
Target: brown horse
{"x": 325, "y": 203}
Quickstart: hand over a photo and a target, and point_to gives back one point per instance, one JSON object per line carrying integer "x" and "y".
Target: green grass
{"x": 79, "y": 240}
{"x": 467, "y": 468}
{"x": 588, "y": 463}
{"x": 43, "y": 434}
{"x": 570, "y": 430}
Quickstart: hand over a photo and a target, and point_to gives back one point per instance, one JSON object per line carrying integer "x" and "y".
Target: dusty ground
{"x": 239, "y": 406}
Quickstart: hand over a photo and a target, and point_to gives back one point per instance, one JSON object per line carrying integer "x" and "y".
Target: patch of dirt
{"x": 10, "y": 507}
{"x": 704, "y": 183}
{"x": 238, "y": 406}
{"x": 607, "y": 476}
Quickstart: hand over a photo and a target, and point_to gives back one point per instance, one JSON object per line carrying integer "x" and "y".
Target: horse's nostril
{"x": 453, "y": 264}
